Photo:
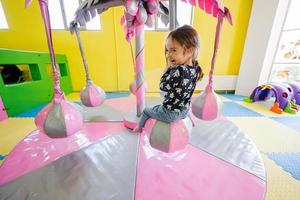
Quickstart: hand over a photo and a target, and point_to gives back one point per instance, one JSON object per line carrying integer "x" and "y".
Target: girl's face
{"x": 177, "y": 54}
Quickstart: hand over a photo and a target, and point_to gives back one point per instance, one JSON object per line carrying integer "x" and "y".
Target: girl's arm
{"x": 164, "y": 80}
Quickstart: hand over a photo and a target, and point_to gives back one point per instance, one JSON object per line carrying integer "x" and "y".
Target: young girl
{"x": 179, "y": 79}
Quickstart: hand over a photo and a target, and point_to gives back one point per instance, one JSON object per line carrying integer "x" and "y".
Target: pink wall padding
{"x": 38, "y": 150}
{"x": 192, "y": 174}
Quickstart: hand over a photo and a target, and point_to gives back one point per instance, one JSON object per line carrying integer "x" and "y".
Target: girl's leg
{"x": 145, "y": 116}
{"x": 160, "y": 113}
{"x": 147, "y": 113}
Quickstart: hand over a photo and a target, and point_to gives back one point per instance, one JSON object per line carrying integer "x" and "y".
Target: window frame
{"x": 158, "y": 29}
{"x": 275, "y": 63}
{"x": 65, "y": 21}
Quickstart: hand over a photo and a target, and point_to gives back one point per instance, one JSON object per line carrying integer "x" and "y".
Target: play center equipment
{"x": 212, "y": 159}
{"x": 286, "y": 94}
{"x": 91, "y": 95}
{"x": 39, "y": 83}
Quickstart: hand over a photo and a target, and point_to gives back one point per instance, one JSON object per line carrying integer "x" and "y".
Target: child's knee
{"x": 147, "y": 111}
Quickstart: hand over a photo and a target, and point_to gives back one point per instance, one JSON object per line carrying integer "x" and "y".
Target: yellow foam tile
{"x": 12, "y": 131}
{"x": 269, "y": 135}
{"x": 1, "y": 161}
{"x": 74, "y": 96}
{"x": 224, "y": 98}
{"x": 263, "y": 108}
{"x": 280, "y": 184}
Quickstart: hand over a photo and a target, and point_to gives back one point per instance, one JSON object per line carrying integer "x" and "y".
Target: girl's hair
{"x": 201, "y": 74}
{"x": 187, "y": 37}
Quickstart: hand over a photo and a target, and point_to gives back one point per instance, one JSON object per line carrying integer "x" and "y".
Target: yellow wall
{"x": 109, "y": 55}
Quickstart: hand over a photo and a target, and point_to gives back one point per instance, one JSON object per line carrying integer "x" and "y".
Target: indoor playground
{"x": 77, "y": 75}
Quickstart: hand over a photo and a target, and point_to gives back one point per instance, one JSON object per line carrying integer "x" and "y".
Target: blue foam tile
{"x": 33, "y": 112}
{"x": 232, "y": 109}
{"x": 2, "y": 157}
{"x": 111, "y": 95}
{"x": 233, "y": 97}
{"x": 292, "y": 122}
{"x": 290, "y": 162}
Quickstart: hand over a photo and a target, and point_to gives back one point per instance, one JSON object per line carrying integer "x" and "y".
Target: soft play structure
{"x": 286, "y": 94}
{"x": 81, "y": 152}
{"x": 15, "y": 96}
{"x": 91, "y": 95}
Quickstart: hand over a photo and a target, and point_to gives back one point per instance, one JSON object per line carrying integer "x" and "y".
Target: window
{"x": 184, "y": 16}
{"x": 3, "y": 22}
{"x": 286, "y": 63}
{"x": 62, "y": 13}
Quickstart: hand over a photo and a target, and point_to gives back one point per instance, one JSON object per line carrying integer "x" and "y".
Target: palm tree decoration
{"x": 207, "y": 105}
{"x": 91, "y": 95}
{"x": 59, "y": 118}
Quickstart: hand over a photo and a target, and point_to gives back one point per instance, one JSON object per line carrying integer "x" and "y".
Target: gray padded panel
{"x": 101, "y": 113}
{"x": 53, "y": 127}
{"x": 225, "y": 140}
{"x": 84, "y": 94}
{"x": 104, "y": 170}
{"x": 160, "y": 136}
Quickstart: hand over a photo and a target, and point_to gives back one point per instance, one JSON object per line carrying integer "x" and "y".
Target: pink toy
{"x": 169, "y": 137}
{"x": 59, "y": 118}
{"x": 92, "y": 95}
{"x": 207, "y": 106}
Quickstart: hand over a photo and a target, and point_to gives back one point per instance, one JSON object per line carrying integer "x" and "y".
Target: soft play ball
{"x": 59, "y": 119}
{"x": 207, "y": 106}
{"x": 169, "y": 137}
{"x": 92, "y": 95}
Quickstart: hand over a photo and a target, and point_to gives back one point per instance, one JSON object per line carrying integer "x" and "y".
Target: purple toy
{"x": 286, "y": 96}
{"x": 296, "y": 91}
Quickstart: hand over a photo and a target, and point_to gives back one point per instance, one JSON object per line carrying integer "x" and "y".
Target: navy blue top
{"x": 179, "y": 82}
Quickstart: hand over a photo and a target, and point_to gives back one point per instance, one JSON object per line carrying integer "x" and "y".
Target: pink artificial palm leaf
{"x": 212, "y": 7}
{"x": 59, "y": 118}
{"x": 207, "y": 105}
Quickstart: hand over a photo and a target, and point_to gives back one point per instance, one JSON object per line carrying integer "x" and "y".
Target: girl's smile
{"x": 176, "y": 54}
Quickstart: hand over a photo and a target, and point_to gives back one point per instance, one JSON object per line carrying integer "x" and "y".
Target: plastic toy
{"x": 286, "y": 96}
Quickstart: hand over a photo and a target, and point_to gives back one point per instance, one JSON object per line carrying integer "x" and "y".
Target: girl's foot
{"x": 137, "y": 129}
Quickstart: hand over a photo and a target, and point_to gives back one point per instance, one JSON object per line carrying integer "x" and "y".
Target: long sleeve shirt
{"x": 179, "y": 84}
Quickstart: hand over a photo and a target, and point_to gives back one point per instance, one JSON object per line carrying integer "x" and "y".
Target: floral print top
{"x": 179, "y": 84}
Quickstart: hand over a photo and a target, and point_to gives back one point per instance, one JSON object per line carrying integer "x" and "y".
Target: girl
{"x": 179, "y": 79}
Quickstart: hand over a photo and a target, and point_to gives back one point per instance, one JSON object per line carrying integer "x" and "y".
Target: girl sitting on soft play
{"x": 179, "y": 79}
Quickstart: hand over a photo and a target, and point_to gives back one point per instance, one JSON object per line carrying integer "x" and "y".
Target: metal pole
{"x": 139, "y": 69}
{"x": 172, "y": 13}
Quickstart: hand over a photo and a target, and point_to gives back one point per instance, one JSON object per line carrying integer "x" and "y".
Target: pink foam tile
{"x": 192, "y": 174}
{"x": 38, "y": 150}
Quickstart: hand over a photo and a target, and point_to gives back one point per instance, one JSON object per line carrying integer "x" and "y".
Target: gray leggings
{"x": 160, "y": 113}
